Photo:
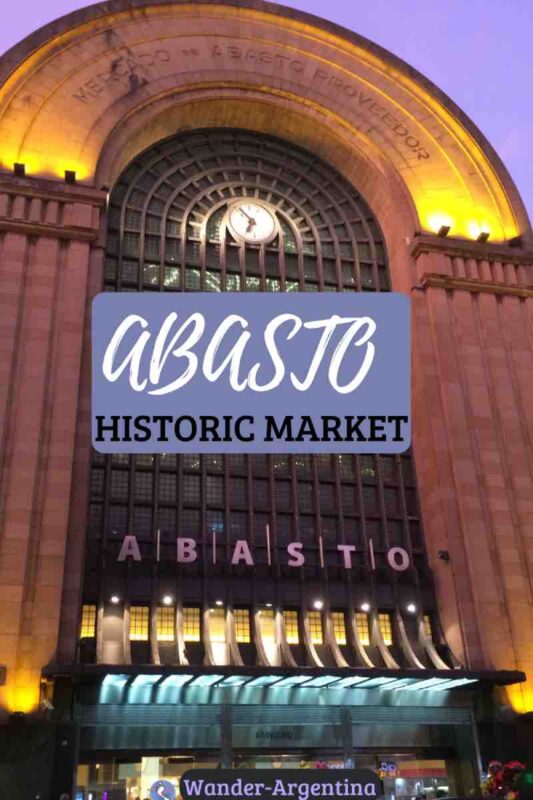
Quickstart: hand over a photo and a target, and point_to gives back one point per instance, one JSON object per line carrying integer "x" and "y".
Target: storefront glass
{"x": 139, "y": 780}
{"x": 405, "y": 777}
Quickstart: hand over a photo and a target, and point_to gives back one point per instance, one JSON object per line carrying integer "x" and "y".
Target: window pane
{"x": 339, "y": 626}
{"x": 290, "y": 619}
{"x": 88, "y": 622}
{"x": 385, "y": 627}
{"x": 363, "y": 632}
{"x": 242, "y": 625}
{"x": 139, "y": 623}
{"x": 315, "y": 626}
{"x": 165, "y": 624}
{"x": 191, "y": 624}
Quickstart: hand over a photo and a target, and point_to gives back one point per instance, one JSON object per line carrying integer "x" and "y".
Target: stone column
{"x": 473, "y": 443}
{"x": 46, "y": 233}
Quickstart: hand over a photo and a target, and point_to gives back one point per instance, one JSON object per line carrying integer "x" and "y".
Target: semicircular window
{"x": 168, "y": 220}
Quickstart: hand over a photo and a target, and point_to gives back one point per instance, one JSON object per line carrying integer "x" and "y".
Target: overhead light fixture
{"x": 19, "y": 169}
{"x": 114, "y": 599}
{"x": 411, "y": 608}
{"x": 365, "y": 607}
{"x": 167, "y": 600}
{"x": 483, "y": 237}
{"x": 268, "y": 605}
{"x": 219, "y": 603}
{"x": 443, "y": 231}
{"x": 318, "y": 604}
{"x": 70, "y": 176}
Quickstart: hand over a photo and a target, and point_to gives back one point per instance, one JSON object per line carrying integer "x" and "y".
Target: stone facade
{"x": 91, "y": 91}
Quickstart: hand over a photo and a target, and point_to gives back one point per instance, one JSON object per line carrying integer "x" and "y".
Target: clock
{"x": 250, "y": 221}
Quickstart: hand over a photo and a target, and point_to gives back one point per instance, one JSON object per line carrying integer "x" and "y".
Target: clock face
{"x": 251, "y": 222}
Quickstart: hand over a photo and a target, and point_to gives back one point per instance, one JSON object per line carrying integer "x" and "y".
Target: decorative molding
{"x": 434, "y": 279}
{"x": 44, "y": 189}
{"x": 462, "y": 248}
{"x": 70, "y": 232}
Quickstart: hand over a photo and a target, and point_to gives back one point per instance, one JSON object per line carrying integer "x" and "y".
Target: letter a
{"x": 242, "y": 553}
{"x": 129, "y": 549}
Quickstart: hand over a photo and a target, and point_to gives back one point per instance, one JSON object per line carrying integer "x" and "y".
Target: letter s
{"x": 270, "y": 341}
{"x": 294, "y": 549}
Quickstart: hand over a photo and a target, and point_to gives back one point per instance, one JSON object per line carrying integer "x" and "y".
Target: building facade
{"x": 167, "y": 611}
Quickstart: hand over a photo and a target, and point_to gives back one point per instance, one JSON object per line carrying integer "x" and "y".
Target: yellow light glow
{"x": 45, "y": 166}
{"x": 23, "y": 697}
{"x": 477, "y": 228}
{"x": 521, "y": 697}
{"x": 460, "y": 219}
{"x": 436, "y": 220}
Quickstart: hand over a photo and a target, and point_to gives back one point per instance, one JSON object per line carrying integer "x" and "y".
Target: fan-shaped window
{"x": 169, "y": 220}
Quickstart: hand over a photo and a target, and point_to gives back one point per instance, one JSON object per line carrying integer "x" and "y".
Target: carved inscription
{"x": 132, "y": 69}
{"x": 365, "y": 102}
{"x": 251, "y": 55}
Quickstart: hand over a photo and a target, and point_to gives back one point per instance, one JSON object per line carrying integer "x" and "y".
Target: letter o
{"x": 404, "y": 561}
{"x": 181, "y": 437}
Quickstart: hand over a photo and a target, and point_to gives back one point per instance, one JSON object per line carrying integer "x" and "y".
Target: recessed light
{"x": 219, "y": 603}
{"x": 318, "y": 604}
{"x": 114, "y": 599}
{"x": 167, "y": 600}
{"x": 365, "y": 607}
{"x": 411, "y": 608}
{"x": 268, "y": 605}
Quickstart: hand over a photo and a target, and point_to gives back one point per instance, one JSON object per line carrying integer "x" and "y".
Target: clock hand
{"x": 242, "y": 211}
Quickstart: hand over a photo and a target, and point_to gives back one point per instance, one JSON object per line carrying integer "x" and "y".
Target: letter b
{"x": 185, "y": 550}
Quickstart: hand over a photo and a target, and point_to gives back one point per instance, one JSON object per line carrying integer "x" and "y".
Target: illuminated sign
{"x": 188, "y": 552}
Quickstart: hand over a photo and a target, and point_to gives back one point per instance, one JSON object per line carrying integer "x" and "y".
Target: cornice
{"x": 44, "y": 189}
{"x": 436, "y": 280}
{"x": 462, "y": 248}
{"x": 72, "y": 232}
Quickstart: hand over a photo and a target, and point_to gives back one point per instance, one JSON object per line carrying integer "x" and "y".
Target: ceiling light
{"x": 365, "y": 607}
{"x": 114, "y": 599}
{"x": 219, "y": 603}
{"x": 411, "y": 608}
{"x": 167, "y": 600}
{"x": 318, "y": 604}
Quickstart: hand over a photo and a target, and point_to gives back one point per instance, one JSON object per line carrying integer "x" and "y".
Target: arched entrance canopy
{"x": 89, "y": 91}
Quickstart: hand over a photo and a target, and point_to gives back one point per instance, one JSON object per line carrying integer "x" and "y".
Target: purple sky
{"x": 480, "y": 52}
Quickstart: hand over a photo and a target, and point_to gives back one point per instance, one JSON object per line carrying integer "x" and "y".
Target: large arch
{"x": 98, "y": 67}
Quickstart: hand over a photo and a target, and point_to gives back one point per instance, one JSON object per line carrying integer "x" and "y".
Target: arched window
{"x": 169, "y": 230}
